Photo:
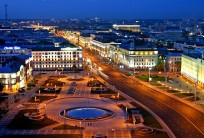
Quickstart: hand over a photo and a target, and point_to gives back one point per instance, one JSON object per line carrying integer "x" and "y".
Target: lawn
{"x": 183, "y": 95}
{"x": 40, "y": 99}
{"x": 173, "y": 91}
{"x": 158, "y": 134}
{"x": 22, "y": 122}
{"x": 114, "y": 97}
{"x": 43, "y": 91}
{"x": 67, "y": 127}
{"x": 53, "y": 82}
{"x": 191, "y": 99}
{"x": 154, "y": 78}
{"x": 109, "y": 91}
{"x": 94, "y": 83}
{"x": 149, "y": 120}
{"x": 44, "y": 136}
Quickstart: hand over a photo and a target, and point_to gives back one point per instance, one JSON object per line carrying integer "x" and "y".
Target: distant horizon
{"x": 105, "y": 9}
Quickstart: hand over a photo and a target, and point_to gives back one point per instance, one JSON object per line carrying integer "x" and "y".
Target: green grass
{"x": 67, "y": 127}
{"x": 183, "y": 95}
{"x": 44, "y": 136}
{"x": 173, "y": 91}
{"x": 154, "y": 78}
{"x": 114, "y": 97}
{"x": 149, "y": 120}
{"x": 22, "y": 122}
{"x": 43, "y": 91}
{"x": 191, "y": 99}
{"x": 159, "y": 134}
{"x": 53, "y": 82}
{"x": 156, "y": 84}
{"x": 40, "y": 99}
{"x": 109, "y": 91}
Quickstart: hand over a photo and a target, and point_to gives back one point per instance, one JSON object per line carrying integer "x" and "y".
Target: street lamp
{"x": 64, "y": 117}
{"x": 39, "y": 94}
{"x": 55, "y": 90}
{"x": 118, "y": 97}
{"x": 149, "y": 76}
{"x": 45, "y": 109}
{"x": 101, "y": 88}
{"x": 80, "y": 128}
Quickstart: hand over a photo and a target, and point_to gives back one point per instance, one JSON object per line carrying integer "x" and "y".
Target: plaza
{"x": 118, "y": 125}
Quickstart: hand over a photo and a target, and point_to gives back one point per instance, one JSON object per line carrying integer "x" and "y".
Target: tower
{"x": 6, "y": 12}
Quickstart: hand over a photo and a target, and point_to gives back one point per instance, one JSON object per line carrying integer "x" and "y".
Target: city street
{"x": 182, "y": 119}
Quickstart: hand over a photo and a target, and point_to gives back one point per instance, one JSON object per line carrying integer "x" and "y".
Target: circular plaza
{"x": 77, "y": 110}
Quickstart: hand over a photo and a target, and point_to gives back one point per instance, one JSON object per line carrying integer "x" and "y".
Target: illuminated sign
{"x": 12, "y": 48}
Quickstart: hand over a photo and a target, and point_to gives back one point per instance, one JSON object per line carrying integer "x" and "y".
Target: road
{"x": 182, "y": 119}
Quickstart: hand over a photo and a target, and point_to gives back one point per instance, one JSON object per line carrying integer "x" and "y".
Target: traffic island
{"x": 149, "y": 120}
{"x": 22, "y": 121}
{"x": 146, "y": 132}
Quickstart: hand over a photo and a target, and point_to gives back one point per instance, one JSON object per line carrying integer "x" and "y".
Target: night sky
{"x": 117, "y": 9}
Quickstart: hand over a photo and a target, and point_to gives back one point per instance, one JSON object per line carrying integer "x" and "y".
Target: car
{"x": 21, "y": 90}
{"x": 73, "y": 84}
{"x": 99, "y": 89}
{"x": 71, "y": 90}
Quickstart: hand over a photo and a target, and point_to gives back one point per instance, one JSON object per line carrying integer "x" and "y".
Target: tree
{"x": 1, "y": 87}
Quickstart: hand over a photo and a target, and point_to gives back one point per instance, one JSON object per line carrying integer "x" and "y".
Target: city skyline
{"x": 108, "y": 9}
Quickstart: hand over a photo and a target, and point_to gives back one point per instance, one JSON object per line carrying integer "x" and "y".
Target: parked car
{"x": 73, "y": 84}
{"x": 71, "y": 90}
{"x": 21, "y": 90}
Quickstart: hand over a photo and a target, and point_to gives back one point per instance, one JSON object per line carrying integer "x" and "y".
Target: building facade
{"x": 57, "y": 58}
{"x": 16, "y": 72}
{"x": 192, "y": 68}
{"x": 137, "y": 57}
{"x": 133, "y": 28}
{"x": 8, "y": 52}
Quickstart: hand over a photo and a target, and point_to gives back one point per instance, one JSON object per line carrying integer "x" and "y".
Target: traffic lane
{"x": 115, "y": 75}
{"x": 177, "y": 123}
{"x": 190, "y": 113}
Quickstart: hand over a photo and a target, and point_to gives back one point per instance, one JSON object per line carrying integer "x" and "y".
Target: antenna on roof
{"x": 6, "y": 11}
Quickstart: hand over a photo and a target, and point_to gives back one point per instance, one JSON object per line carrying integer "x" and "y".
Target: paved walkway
{"x": 121, "y": 129}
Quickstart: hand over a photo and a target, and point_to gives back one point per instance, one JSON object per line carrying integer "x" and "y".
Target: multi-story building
{"x": 57, "y": 58}
{"x": 133, "y": 28}
{"x": 174, "y": 61}
{"x": 139, "y": 57}
{"x": 8, "y": 52}
{"x": 16, "y": 71}
{"x": 192, "y": 67}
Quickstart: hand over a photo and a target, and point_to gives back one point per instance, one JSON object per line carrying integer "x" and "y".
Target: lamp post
{"x": 80, "y": 128}
{"x": 55, "y": 90}
{"x": 45, "y": 109}
{"x": 64, "y": 117}
{"x": 39, "y": 94}
{"x": 149, "y": 75}
{"x": 126, "y": 112}
{"x": 101, "y": 88}
{"x": 118, "y": 97}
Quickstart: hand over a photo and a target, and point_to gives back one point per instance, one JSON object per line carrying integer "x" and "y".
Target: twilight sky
{"x": 130, "y": 9}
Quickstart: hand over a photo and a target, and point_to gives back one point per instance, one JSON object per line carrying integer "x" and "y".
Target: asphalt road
{"x": 182, "y": 119}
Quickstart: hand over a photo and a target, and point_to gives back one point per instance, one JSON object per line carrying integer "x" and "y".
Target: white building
{"x": 16, "y": 72}
{"x": 133, "y": 28}
{"x": 192, "y": 67}
{"x": 57, "y": 58}
{"x": 131, "y": 56}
